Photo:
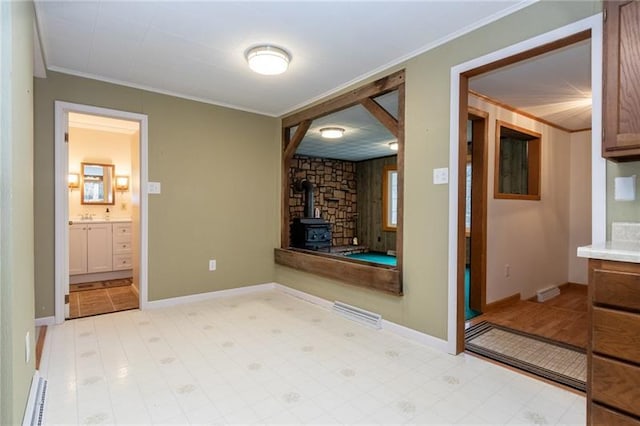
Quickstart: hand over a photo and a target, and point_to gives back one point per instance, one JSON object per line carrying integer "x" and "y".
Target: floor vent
{"x": 35, "y": 407}
{"x": 547, "y": 293}
{"x": 360, "y": 315}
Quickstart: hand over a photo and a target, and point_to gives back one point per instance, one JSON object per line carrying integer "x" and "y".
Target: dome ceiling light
{"x": 332, "y": 132}
{"x": 268, "y": 60}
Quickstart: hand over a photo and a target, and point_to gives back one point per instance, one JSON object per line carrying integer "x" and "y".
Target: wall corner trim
{"x": 45, "y": 321}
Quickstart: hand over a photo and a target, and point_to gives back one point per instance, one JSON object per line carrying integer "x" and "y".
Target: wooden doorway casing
{"x": 463, "y": 112}
{"x": 478, "y": 231}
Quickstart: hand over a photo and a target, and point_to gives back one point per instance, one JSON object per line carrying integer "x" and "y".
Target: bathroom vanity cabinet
{"x": 621, "y": 100}
{"x": 99, "y": 247}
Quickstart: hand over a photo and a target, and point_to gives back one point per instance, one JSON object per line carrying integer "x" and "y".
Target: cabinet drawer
{"x": 615, "y": 383}
{"x": 601, "y": 416}
{"x": 122, "y": 247}
{"x": 121, "y": 229}
{"x": 621, "y": 289}
{"x": 121, "y": 262}
{"x": 616, "y": 333}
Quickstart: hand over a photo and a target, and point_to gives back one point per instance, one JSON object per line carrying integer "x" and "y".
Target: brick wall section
{"x": 334, "y": 193}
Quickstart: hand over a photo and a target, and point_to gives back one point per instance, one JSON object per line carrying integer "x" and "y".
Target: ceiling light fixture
{"x": 268, "y": 60}
{"x": 393, "y": 146}
{"x": 332, "y": 132}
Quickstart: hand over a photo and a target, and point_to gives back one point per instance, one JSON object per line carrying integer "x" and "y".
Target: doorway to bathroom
{"x": 102, "y": 154}
{"x": 101, "y": 199}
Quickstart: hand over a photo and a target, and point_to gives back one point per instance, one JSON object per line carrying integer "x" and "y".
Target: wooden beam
{"x": 380, "y": 278}
{"x": 378, "y": 87}
{"x": 545, "y": 48}
{"x": 382, "y": 115}
{"x": 293, "y": 144}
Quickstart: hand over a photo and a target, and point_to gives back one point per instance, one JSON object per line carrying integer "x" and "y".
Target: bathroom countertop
{"x": 621, "y": 251}
{"x": 75, "y": 221}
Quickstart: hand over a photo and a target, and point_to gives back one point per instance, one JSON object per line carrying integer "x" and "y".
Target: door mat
{"x": 555, "y": 361}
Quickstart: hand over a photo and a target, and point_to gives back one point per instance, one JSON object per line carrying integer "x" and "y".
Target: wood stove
{"x": 311, "y": 233}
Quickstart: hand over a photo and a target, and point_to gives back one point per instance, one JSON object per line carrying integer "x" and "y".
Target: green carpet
{"x": 468, "y": 312}
{"x": 380, "y": 258}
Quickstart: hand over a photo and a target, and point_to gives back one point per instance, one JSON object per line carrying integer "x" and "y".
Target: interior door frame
{"x": 457, "y": 142}
{"x": 479, "y": 201}
{"x": 62, "y": 110}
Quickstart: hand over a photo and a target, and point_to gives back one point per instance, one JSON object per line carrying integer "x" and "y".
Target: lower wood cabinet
{"x": 613, "y": 353}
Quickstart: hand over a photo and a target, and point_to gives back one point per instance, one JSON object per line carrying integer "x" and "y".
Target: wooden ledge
{"x": 363, "y": 274}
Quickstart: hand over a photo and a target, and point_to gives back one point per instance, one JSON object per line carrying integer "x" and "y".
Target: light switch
{"x": 625, "y": 188}
{"x": 154, "y": 188}
{"x": 441, "y": 176}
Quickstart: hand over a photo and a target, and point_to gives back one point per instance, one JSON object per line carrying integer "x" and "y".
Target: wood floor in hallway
{"x": 563, "y": 318}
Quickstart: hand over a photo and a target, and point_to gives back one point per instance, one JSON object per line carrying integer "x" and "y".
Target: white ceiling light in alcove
{"x": 332, "y": 132}
{"x": 268, "y": 60}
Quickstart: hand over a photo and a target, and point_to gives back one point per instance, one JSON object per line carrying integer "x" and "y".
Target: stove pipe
{"x": 307, "y": 187}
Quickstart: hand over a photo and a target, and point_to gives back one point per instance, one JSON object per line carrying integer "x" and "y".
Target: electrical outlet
{"x": 507, "y": 270}
{"x": 212, "y": 265}
{"x": 27, "y": 347}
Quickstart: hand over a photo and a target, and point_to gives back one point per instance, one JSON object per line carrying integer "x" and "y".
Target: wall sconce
{"x": 122, "y": 183}
{"x": 73, "y": 181}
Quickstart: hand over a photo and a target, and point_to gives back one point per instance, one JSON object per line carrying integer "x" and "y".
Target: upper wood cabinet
{"x": 621, "y": 109}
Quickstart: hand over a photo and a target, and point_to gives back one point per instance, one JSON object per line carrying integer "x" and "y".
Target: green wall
{"x": 622, "y": 211}
{"x": 219, "y": 170}
{"x": 424, "y": 304}
{"x": 16, "y": 212}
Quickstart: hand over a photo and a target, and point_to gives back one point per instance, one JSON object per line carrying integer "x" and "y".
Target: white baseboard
{"x": 415, "y": 335}
{"x": 406, "y": 332}
{"x": 174, "y": 301}
{"x": 304, "y": 296}
{"x": 45, "y": 321}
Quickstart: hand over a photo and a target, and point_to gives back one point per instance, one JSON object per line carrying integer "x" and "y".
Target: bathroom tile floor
{"x": 271, "y": 358}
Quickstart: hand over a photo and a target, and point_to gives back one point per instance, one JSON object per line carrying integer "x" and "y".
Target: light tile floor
{"x": 270, "y": 358}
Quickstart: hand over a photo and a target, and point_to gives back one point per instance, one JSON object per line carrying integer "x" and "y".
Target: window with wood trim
{"x": 390, "y": 198}
{"x": 518, "y": 163}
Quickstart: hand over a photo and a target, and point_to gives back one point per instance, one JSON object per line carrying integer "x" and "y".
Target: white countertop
{"x": 621, "y": 251}
{"x": 75, "y": 221}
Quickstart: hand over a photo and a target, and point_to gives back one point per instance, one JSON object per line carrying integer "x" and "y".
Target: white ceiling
{"x": 364, "y": 137}
{"x": 103, "y": 124}
{"x": 555, "y": 86}
{"x": 196, "y": 49}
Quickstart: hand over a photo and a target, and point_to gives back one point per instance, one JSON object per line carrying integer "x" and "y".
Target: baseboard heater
{"x": 547, "y": 293}
{"x": 356, "y": 314}
{"x": 35, "y": 405}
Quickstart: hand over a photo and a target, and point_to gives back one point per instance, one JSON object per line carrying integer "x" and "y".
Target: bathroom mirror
{"x": 97, "y": 184}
